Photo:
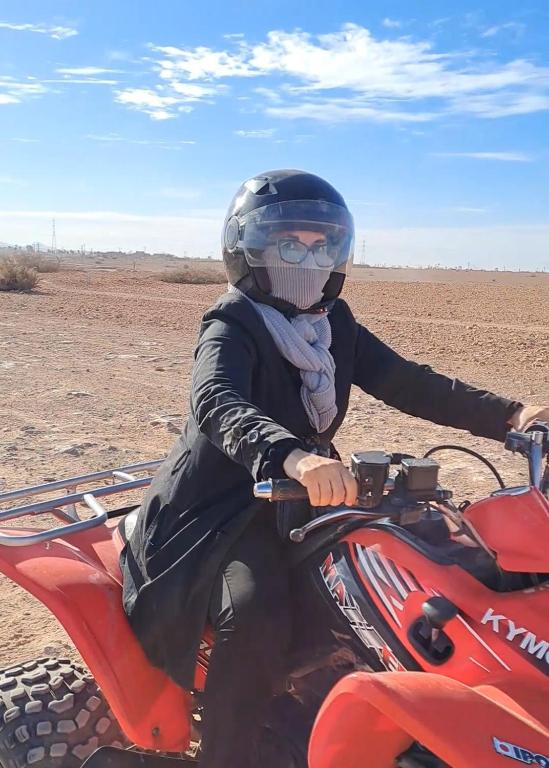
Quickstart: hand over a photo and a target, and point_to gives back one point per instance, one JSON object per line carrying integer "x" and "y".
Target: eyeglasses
{"x": 293, "y": 251}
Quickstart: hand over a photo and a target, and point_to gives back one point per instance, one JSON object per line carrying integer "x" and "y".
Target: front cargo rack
{"x": 64, "y": 507}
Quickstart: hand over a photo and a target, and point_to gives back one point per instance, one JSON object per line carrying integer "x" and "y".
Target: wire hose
{"x": 471, "y": 453}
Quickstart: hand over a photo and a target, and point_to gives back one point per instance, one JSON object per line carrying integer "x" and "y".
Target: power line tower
{"x": 53, "y": 238}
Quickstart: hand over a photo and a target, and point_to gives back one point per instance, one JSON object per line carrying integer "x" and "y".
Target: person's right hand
{"x": 328, "y": 482}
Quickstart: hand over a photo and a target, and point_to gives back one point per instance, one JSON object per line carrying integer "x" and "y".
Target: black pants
{"x": 250, "y": 613}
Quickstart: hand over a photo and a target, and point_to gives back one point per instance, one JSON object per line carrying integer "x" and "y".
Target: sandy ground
{"x": 93, "y": 362}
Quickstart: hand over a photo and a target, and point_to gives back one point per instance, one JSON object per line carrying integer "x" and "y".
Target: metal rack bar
{"x": 73, "y": 482}
{"x": 69, "y": 500}
{"x": 23, "y": 540}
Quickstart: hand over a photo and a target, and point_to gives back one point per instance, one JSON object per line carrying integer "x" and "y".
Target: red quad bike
{"x": 449, "y": 602}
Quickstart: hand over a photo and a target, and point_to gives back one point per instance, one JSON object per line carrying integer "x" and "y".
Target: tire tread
{"x": 52, "y": 715}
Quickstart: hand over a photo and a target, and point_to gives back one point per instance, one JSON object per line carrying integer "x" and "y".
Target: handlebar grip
{"x": 280, "y": 490}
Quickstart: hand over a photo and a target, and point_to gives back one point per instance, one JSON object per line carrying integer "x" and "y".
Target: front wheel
{"x": 52, "y": 714}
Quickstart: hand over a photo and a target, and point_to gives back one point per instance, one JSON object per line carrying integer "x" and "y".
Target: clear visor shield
{"x": 305, "y": 234}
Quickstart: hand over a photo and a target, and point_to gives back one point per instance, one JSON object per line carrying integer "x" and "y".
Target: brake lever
{"x": 297, "y": 535}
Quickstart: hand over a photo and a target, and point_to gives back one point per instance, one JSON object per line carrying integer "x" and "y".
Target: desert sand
{"x": 95, "y": 368}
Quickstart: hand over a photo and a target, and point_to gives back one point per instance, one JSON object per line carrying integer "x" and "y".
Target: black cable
{"x": 471, "y": 453}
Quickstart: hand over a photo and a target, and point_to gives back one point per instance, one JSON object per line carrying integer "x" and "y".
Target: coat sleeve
{"x": 221, "y": 394}
{"x": 421, "y": 391}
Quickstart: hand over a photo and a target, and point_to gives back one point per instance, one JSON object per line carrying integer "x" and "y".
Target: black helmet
{"x": 285, "y": 200}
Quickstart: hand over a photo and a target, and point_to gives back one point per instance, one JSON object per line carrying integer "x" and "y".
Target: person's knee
{"x": 263, "y": 611}
{"x": 257, "y": 618}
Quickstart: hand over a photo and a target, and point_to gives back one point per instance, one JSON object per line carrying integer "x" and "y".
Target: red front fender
{"x": 369, "y": 719}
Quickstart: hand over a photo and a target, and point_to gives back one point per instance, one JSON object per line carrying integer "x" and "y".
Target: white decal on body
{"x": 527, "y": 640}
{"x": 351, "y": 610}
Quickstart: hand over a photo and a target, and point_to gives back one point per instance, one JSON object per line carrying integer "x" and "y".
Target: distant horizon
{"x": 47, "y": 251}
{"x": 513, "y": 248}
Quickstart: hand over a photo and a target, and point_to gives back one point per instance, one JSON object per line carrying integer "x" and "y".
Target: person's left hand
{"x": 527, "y": 414}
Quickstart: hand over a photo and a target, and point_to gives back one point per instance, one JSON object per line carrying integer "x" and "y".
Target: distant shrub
{"x": 48, "y": 265}
{"x": 194, "y": 275}
{"x": 15, "y": 276}
{"x": 37, "y": 262}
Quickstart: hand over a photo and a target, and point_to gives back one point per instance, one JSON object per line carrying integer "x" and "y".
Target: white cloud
{"x": 149, "y": 101}
{"x": 87, "y": 71}
{"x": 440, "y": 22}
{"x": 504, "y": 103}
{"x": 260, "y": 133}
{"x": 68, "y": 80}
{"x": 352, "y": 74}
{"x": 384, "y": 70}
{"x": 193, "y": 92}
{"x": 116, "y": 138}
{"x": 23, "y": 140}
{"x": 14, "y": 91}
{"x": 164, "y": 102}
{"x": 55, "y": 32}
{"x": 506, "y": 157}
{"x": 348, "y": 74}
{"x": 203, "y": 63}
{"x": 511, "y": 26}
{"x": 340, "y": 110}
{"x": 178, "y": 88}
{"x": 391, "y": 23}
{"x": 269, "y": 94}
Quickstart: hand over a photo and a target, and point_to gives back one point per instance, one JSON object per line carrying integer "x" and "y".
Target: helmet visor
{"x": 308, "y": 234}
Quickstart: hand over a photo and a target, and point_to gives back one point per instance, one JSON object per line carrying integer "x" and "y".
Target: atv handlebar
{"x": 416, "y": 483}
{"x": 532, "y": 444}
{"x": 290, "y": 490}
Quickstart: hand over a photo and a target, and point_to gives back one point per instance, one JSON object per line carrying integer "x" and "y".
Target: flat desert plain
{"x": 95, "y": 368}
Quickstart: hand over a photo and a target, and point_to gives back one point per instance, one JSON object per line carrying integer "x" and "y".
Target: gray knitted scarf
{"x": 305, "y": 342}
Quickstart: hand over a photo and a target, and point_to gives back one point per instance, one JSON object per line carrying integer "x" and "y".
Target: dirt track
{"x": 90, "y": 361}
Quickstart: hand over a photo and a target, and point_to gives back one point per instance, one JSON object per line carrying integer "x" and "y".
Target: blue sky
{"x": 132, "y": 123}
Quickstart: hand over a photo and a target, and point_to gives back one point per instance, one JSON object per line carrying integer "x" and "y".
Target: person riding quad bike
{"x": 274, "y": 364}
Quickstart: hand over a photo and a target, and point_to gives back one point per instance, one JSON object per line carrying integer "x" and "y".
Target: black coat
{"x": 246, "y": 415}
